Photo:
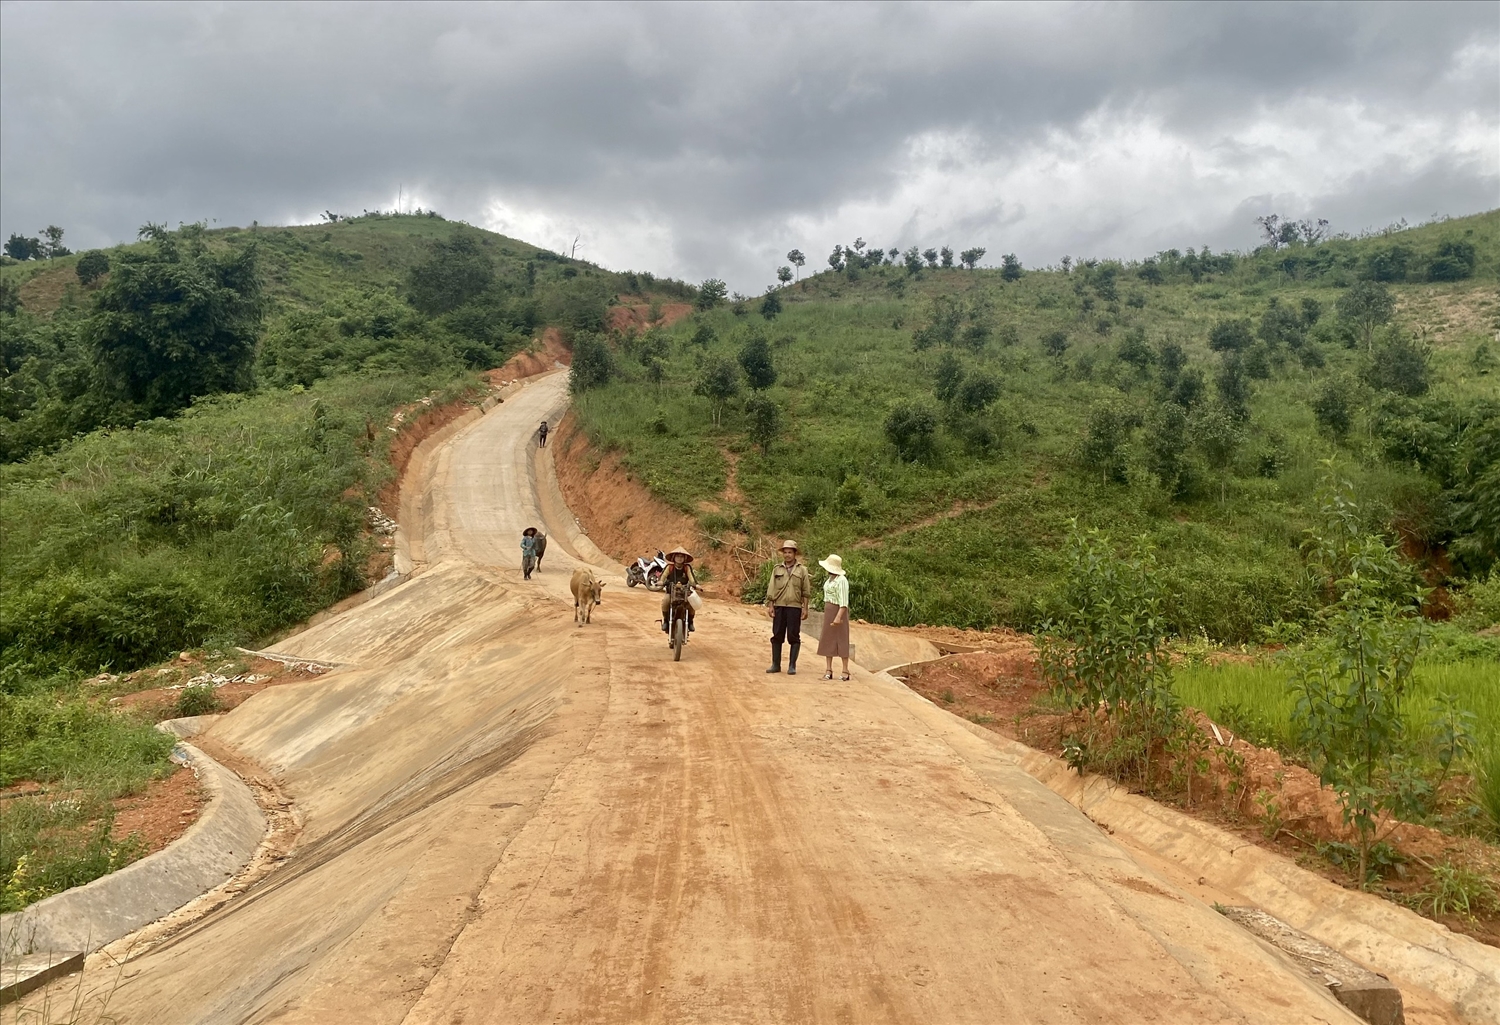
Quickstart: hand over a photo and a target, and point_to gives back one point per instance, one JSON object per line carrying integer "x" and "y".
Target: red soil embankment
{"x": 634, "y": 313}
{"x": 622, "y": 516}
{"x": 543, "y": 356}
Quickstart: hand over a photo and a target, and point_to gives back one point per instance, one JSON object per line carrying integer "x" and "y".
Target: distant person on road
{"x": 541, "y": 549}
{"x": 528, "y": 552}
{"x": 835, "y": 637}
{"x": 787, "y": 595}
{"x": 679, "y": 571}
{"x": 541, "y": 435}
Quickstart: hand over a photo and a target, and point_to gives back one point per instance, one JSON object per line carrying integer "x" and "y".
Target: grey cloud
{"x": 722, "y": 124}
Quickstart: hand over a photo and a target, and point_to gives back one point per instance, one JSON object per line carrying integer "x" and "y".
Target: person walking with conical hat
{"x": 834, "y": 640}
{"x": 787, "y": 595}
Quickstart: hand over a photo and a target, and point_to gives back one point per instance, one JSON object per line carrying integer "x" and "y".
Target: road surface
{"x": 508, "y": 818}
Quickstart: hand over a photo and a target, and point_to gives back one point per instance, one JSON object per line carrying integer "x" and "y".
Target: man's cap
{"x": 789, "y": 543}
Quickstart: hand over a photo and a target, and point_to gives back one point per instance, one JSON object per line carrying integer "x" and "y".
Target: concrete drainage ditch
{"x": 52, "y": 936}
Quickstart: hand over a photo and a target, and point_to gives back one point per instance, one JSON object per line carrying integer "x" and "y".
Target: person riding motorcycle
{"x": 679, "y": 571}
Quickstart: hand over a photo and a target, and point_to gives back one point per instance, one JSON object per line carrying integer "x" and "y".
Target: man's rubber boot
{"x": 791, "y": 667}
{"x": 775, "y": 657}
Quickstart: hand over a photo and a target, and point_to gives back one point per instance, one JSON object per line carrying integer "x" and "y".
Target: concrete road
{"x": 512, "y": 819}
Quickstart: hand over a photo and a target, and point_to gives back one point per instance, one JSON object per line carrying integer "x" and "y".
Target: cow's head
{"x": 599, "y": 592}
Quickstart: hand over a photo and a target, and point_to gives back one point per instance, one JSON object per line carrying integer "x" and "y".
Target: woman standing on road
{"x": 834, "y": 639}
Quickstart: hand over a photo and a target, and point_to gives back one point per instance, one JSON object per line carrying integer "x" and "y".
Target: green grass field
{"x": 1263, "y": 703}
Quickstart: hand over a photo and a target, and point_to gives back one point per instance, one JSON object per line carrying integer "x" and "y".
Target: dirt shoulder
{"x": 1250, "y": 791}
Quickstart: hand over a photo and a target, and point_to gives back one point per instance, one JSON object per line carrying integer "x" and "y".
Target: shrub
{"x": 755, "y": 359}
{"x": 92, "y": 266}
{"x": 1104, "y": 650}
{"x": 1334, "y": 409}
{"x": 1349, "y": 684}
{"x": 1399, "y": 364}
{"x": 197, "y": 699}
{"x": 175, "y": 322}
{"x": 911, "y": 428}
{"x": 1230, "y": 336}
{"x": 1454, "y": 262}
{"x": 456, "y": 271}
{"x": 593, "y": 363}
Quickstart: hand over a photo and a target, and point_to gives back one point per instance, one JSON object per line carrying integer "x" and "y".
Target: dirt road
{"x": 511, "y": 819}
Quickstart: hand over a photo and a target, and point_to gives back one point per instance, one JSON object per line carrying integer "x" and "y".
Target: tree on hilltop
{"x": 1010, "y": 267}
{"x": 54, "y": 247}
{"x": 711, "y": 293}
{"x": 970, "y": 257}
{"x": 783, "y": 274}
{"x": 931, "y": 256}
{"x": 947, "y": 255}
{"x": 797, "y": 259}
{"x": 92, "y": 266}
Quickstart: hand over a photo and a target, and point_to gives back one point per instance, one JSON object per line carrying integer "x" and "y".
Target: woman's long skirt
{"x": 834, "y": 640}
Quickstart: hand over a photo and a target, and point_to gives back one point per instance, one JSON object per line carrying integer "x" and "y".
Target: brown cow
{"x": 588, "y": 591}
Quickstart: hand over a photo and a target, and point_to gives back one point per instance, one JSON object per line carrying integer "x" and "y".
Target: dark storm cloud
{"x": 708, "y": 139}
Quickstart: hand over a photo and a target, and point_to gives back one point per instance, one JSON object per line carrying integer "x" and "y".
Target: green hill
{"x": 941, "y": 427}
{"x": 193, "y": 437}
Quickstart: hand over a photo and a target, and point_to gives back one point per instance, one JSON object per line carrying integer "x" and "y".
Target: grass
{"x": 1255, "y": 696}
{"x": 85, "y": 756}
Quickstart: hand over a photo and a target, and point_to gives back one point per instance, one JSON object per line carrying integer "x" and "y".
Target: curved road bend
{"x": 511, "y": 819}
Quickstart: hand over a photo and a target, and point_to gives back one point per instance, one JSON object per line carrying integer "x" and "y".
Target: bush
{"x": 92, "y": 266}
{"x": 1104, "y": 650}
{"x": 1400, "y": 365}
{"x": 175, "y": 322}
{"x": 1334, "y": 409}
{"x": 1230, "y": 336}
{"x": 1454, "y": 262}
{"x": 593, "y": 363}
{"x": 197, "y": 699}
{"x": 911, "y": 428}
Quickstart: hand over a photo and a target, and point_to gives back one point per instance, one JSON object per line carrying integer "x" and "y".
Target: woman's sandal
{"x": 844, "y": 677}
{"x": 827, "y": 676}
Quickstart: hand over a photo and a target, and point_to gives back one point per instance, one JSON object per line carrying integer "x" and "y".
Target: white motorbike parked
{"x": 648, "y": 572}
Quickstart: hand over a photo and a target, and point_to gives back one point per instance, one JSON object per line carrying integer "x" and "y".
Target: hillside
{"x": 193, "y": 430}
{"x": 942, "y": 427}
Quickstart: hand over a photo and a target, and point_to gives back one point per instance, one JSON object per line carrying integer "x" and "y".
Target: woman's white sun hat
{"x": 832, "y": 564}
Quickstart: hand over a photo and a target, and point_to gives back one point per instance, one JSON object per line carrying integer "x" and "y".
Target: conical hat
{"x": 679, "y": 550}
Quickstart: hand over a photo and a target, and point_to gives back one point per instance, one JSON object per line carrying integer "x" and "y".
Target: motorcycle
{"x": 647, "y": 572}
{"x": 683, "y": 603}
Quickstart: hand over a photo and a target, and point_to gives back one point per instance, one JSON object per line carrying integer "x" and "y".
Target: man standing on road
{"x": 541, "y": 435}
{"x": 787, "y": 595}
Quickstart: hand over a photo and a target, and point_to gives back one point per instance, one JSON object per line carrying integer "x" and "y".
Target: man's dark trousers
{"x": 786, "y": 625}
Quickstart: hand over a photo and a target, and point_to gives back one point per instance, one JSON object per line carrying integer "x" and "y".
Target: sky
{"x": 709, "y": 140}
